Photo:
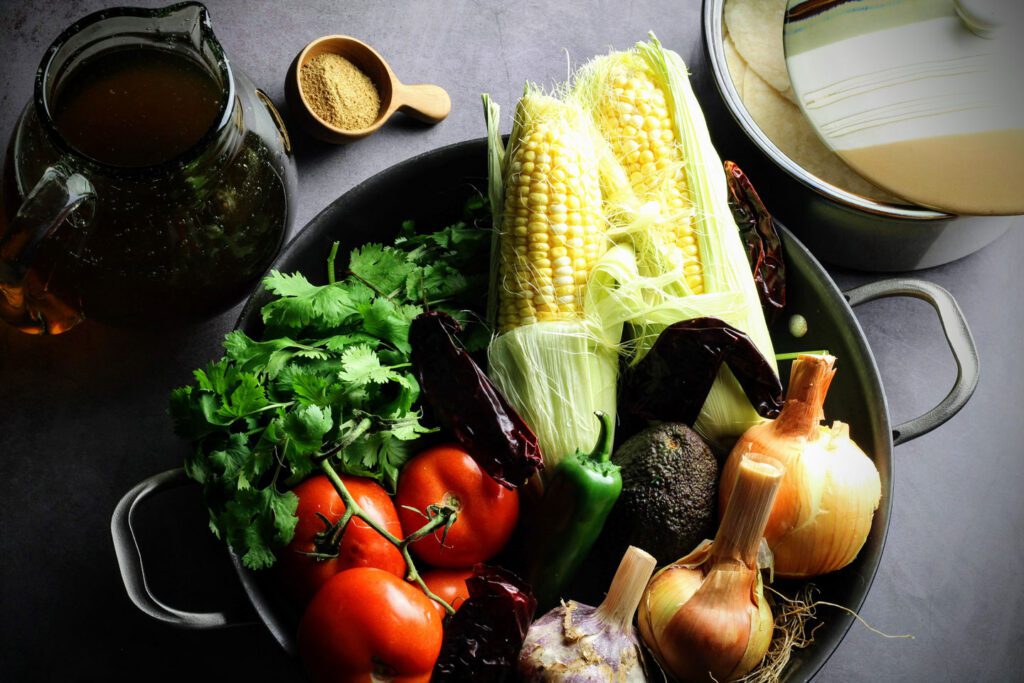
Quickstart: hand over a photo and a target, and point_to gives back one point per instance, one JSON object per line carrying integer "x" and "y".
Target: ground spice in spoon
{"x": 338, "y": 92}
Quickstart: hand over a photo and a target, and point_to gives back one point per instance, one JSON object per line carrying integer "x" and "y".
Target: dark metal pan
{"x": 431, "y": 189}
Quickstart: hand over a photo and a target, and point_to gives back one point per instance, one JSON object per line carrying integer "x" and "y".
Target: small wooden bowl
{"x": 428, "y": 103}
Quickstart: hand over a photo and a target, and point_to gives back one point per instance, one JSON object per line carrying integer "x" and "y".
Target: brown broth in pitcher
{"x": 136, "y": 107}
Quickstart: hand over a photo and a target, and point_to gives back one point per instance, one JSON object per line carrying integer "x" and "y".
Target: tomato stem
{"x": 349, "y": 439}
{"x": 337, "y": 530}
{"x": 444, "y": 517}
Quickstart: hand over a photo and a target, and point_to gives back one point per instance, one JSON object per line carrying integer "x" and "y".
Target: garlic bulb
{"x": 831, "y": 489}
{"x": 577, "y": 642}
{"x": 705, "y": 617}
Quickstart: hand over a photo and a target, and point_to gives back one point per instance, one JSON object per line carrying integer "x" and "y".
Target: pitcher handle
{"x": 54, "y": 198}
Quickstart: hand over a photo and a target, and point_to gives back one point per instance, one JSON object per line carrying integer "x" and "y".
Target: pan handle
{"x": 129, "y": 559}
{"x": 958, "y": 336}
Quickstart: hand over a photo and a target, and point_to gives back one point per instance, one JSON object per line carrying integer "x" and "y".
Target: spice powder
{"x": 339, "y": 92}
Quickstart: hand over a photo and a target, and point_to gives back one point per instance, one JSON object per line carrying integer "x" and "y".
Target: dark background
{"x": 82, "y": 416}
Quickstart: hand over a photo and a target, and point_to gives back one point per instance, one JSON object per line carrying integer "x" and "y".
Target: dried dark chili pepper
{"x": 468, "y": 405}
{"x": 760, "y": 235}
{"x": 482, "y": 640}
{"x": 672, "y": 382}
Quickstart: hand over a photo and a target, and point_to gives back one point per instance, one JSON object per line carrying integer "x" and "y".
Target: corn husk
{"x": 557, "y": 373}
{"x": 638, "y": 216}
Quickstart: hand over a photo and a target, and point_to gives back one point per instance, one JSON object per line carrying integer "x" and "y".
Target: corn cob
{"x": 550, "y": 237}
{"x": 665, "y": 195}
{"x": 632, "y": 113}
{"x": 553, "y": 359}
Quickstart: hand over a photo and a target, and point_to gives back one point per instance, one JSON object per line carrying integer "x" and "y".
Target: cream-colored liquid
{"x": 980, "y": 173}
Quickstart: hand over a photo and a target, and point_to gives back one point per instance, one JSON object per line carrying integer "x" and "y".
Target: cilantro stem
{"x": 372, "y": 286}
{"x": 270, "y": 406}
{"x": 330, "y": 263}
{"x": 352, "y": 509}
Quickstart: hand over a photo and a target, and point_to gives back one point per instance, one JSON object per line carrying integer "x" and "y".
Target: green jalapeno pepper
{"x": 570, "y": 516}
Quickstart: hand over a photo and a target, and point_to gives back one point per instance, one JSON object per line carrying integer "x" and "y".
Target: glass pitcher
{"x": 123, "y": 235}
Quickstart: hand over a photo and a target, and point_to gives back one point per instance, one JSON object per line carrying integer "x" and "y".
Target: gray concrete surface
{"x": 82, "y": 416}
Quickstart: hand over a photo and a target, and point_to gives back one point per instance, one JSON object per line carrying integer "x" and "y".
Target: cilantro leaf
{"x": 247, "y": 397}
{"x": 436, "y": 281}
{"x": 216, "y": 377}
{"x": 305, "y": 427}
{"x": 234, "y": 462}
{"x": 331, "y": 359}
{"x": 329, "y": 305}
{"x": 313, "y": 389}
{"x": 288, "y": 284}
{"x": 390, "y": 322}
{"x": 380, "y": 453}
{"x": 383, "y": 268}
{"x": 361, "y": 366}
{"x": 267, "y": 357}
{"x": 257, "y": 520}
{"x": 303, "y": 431}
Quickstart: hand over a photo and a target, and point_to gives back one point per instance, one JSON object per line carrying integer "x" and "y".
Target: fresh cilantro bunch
{"x": 330, "y": 377}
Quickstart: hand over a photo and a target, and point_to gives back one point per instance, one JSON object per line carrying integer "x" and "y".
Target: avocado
{"x": 669, "y": 493}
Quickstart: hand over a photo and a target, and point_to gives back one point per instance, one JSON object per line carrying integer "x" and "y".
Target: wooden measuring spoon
{"x": 425, "y": 102}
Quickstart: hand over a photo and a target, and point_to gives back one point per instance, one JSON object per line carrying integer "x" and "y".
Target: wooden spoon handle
{"x": 423, "y": 101}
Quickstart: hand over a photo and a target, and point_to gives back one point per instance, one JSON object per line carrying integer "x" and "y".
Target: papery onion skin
{"x": 705, "y": 617}
{"x": 685, "y": 646}
{"x": 825, "y": 505}
{"x": 761, "y": 629}
{"x": 831, "y": 539}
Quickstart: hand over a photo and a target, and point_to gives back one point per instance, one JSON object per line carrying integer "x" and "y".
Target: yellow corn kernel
{"x": 632, "y": 114}
{"x": 551, "y": 237}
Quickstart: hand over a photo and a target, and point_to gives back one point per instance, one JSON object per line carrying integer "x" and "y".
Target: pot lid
{"x": 925, "y": 98}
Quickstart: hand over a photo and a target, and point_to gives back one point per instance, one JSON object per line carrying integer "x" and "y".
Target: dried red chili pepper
{"x": 760, "y": 235}
{"x": 468, "y": 405}
{"x": 672, "y": 382}
{"x": 482, "y": 640}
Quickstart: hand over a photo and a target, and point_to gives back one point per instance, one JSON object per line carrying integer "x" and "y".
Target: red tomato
{"x": 487, "y": 510}
{"x": 360, "y": 545}
{"x": 368, "y": 625}
{"x": 449, "y": 585}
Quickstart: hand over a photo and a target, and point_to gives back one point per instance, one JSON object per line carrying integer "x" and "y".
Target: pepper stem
{"x": 603, "y": 446}
{"x": 352, "y": 509}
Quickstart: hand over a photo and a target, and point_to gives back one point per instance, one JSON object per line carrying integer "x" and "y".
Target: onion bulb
{"x": 831, "y": 489}
{"x": 705, "y": 617}
{"x": 578, "y": 642}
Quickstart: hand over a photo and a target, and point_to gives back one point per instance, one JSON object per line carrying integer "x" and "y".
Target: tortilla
{"x": 755, "y": 27}
{"x": 737, "y": 67}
